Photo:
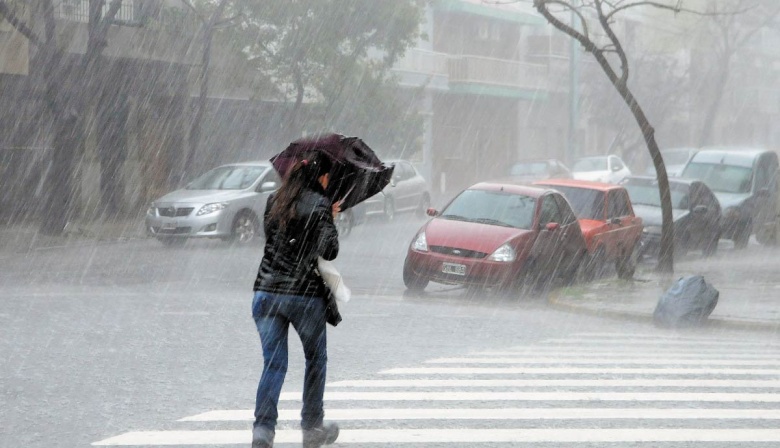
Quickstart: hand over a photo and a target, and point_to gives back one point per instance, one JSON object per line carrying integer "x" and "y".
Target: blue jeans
{"x": 273, "y": 314}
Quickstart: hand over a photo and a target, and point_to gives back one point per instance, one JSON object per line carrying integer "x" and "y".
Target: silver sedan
{"x": 227, "y": 202}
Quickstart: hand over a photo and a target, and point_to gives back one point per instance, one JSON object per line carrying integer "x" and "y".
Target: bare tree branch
{"x": 17, "y": 23}
{"x": 603, "y": 19}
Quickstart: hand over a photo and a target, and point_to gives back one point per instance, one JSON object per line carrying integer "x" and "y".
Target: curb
{"x": 735, "y": 324}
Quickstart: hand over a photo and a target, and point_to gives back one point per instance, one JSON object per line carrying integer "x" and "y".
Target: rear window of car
{"x": 519, "y": 169}
{"x": 493, "y": 208}
{"x": 647, "y": 193}
{"x": 227, "y": 178}
{"x": 586, "y": 203}
{"x": 590, "y": 164}
{"x": 721, "y": 177}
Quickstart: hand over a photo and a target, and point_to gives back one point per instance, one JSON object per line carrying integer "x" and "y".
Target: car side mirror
{"x": 267, "y": 186}
{"x": 552, "y": 226}
{"x": 432, "y": 212}
{"x": 763, "y": 193}
{"x": 615, "y": 221}
{"x": 700, "y": 209}
{"x": 616, "y": 168}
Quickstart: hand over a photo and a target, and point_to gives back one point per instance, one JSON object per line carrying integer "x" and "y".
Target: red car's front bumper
{"x": 478, "y": 271}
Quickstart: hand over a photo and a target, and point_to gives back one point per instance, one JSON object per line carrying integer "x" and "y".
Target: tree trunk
{"x": 200, "y": 109}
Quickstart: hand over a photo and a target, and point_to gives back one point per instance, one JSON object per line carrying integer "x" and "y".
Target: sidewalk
{"x": 22, "y": 238}
{"x": 748, "y": 281}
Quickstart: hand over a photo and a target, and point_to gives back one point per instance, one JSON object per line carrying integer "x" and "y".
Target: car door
{"x": 546, "y": 250}
{"x": 617, "y": 170}
{"x": 406, "y": 187}
{"x": 623, "y": 230}
{"x": 572, "y": 241}
{"x": 264, "y": 189}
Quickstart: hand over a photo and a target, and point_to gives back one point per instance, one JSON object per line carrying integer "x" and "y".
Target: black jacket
{"x": 290, "y": 258}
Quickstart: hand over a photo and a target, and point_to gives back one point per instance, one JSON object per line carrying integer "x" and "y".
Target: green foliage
{"x": 334, "y": 54}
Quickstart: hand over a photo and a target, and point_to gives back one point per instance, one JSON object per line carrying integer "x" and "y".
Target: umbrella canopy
{"x": 357, "y": 172}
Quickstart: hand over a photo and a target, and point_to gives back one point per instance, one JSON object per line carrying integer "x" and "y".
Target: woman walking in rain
{"x": 299, "y": 228}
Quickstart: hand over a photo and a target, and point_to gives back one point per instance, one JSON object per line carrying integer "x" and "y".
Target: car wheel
{"x": 626, "y": 264}
{"x": 711, "y": 247}
{"x": 767, "y": 236}
{"x": 389, "y": 209}
{"x": 596, "y": 265}
{"x": 344, "y": 223}
{"x": 412, "y": 281}
{"x": 245, "y": 228}
{"x": 682, "y": 245}
{"x": 172, "y": 241}
{"x": 742, "y": 236}
{"x": 425, "y": 204}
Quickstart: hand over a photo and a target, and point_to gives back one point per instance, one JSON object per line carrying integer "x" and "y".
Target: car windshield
{"x": 590, "y": 164}
{"x": 586, "y": 203}
{"x": 235, "y": 177}
{"x": 721, "y": 178}
{"x": 647, "y": 193}
{"x": 521, "y": 169}
{"x": 493, "y": 208}
{"x": 675, "y": 157}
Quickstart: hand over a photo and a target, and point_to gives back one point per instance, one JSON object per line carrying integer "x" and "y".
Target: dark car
{"x": 745, "y": 183}
{"x": 497, "y": 235}
{"x": 695, "y": 210}
{"x": 532, "y": 170}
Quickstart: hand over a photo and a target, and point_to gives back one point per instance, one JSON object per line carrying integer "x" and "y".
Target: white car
{"x": 608, "y": 169}
{"x": 227, "y": 202}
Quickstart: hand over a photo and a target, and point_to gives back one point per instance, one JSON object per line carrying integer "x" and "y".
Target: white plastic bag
{"x": 333, "y": 279}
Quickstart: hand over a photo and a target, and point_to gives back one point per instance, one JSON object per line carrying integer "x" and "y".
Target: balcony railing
{"x": 78, "y": 11}
{"x": 497, "y": 72}
{"x": 423, "y": 61}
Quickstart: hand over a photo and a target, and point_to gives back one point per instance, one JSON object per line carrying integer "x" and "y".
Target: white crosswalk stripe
{"x": 589, "y": 388}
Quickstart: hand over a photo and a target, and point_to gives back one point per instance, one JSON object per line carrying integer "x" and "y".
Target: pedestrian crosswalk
{"x": 585, "y": 389}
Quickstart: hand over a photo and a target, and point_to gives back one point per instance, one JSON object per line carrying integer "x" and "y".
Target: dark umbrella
{"x": 357, "y": 172}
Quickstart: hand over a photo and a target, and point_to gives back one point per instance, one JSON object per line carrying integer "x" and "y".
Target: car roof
{"x": 590, "y": 185}
{"x": 526, "y": 190}
{"x": 264, "y": 163}
{"x": 672, "y": 180}
{"x": 729, "y": 155}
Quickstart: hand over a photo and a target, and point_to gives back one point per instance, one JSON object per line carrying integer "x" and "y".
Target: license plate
{"x": 169, "y": 225}
{"x": 452, "y": 268}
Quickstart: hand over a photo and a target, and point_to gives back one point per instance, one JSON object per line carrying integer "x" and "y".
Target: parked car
{"x": 608, "y": 169}
{"x": 745, "y": 182}
{"x": 533, "y": 170}
{"x": 612, "y": 232}
{"x": 227, "y": 202}
{"x": 407, "y": 192}
{"x": 496, "y": 235}
{"x": 674, "y": 161}
{"x": 695, "y": 213}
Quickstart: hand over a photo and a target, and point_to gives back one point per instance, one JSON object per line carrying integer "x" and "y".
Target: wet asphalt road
{"x": 101, "y": 339}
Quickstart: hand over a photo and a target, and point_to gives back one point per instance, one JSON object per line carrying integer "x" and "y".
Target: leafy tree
{"x": 332, "y": 53}
{"x": 731, "y": 27}
{"x": 609, "y": 52}
{"x": 69, "y": 88}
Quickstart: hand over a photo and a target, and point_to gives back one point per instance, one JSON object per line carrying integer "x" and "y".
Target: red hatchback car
{"x": 612, "y": 231}
{"x": 496, "y": 235}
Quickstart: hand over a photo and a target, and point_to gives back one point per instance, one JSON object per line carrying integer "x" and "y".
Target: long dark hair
{"x": 304, "y": 174}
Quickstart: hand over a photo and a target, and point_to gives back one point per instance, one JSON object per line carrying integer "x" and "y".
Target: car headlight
{"x": 151, "y": 210}
{"x": 652, "y": 230}
{"x": 211, "y": 208}
{"x": 420, "y": 243}
{"x": 504, "y": 254}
